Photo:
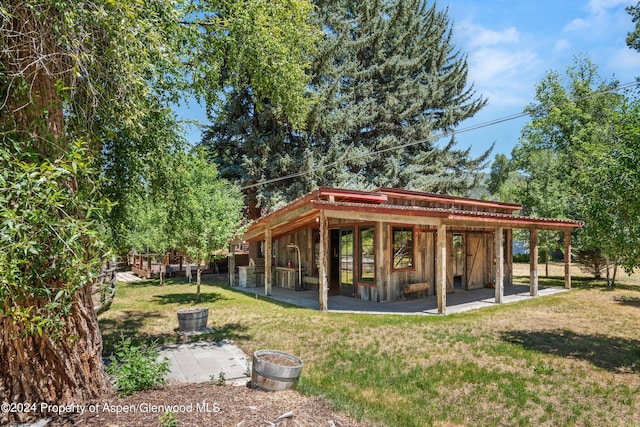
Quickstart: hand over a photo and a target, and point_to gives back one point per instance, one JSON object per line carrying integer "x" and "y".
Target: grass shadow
{"x": 128, "y": 325}
{"x": 188, "y": 298}
{"x": 630, "y": 301}
{"x": 114, "y": 329}
{"x": 611, "y": 353}
{"x": 556, "y": 281}
{"x": 140, "y": 284}
{"x": 576, "y": 283}
{"x": 228, "y": 331}
{"x": 264, "y": 298}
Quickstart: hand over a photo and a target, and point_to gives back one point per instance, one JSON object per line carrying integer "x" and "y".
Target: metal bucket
{"x": 274, "y": 370}
{"x": 192, "y": 319}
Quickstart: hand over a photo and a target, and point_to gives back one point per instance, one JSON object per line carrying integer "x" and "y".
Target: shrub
{"x": 520, "y": 257}
{"x": 591, "y": 261}
{"x": 136, "y": 368}
{"x": 168, "y": 419}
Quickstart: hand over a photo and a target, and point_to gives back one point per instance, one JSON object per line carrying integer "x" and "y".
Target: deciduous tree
{"x": 208, "y": 212}
{"x": 576, "y": 157}
{"x": 79, "y": 82}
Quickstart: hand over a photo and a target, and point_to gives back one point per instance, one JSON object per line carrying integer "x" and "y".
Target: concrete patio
{"x": 457, "y": 302}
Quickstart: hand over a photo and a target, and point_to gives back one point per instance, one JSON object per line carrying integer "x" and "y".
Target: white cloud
{"x": 497, "y": 60}
{"x": 600, "y": 6}
{"x": 562, "y": 45}
{"x": 625, "y": 59}
{"x": 578, "y": 25}
{"x": 487, "y": 37}
{"x": 602, "y": 17}
{"x": 490, "y": 64}
{"x": 498, "y": 74}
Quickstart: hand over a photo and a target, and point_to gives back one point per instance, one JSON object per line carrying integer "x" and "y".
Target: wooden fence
{"x": 104, "y": 288}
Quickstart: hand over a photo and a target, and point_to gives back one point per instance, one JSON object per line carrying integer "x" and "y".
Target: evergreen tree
{"x": 385, "y": 74}
{"x": 388, "y": 75}
{"x": 250, "y": 144}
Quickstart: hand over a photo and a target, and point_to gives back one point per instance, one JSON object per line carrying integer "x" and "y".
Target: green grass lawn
{"x": 568, "y": 359}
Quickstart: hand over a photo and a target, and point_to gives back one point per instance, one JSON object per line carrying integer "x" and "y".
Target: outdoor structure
{"x": 389, "y": 244}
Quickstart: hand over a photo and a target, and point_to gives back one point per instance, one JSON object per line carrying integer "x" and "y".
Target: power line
{"x": 433, "y": 138}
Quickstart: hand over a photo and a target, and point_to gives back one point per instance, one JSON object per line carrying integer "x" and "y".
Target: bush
{"x": 136, "y": 368}
{"x": 591, "y": 261}
{"x": 520, "y": 257}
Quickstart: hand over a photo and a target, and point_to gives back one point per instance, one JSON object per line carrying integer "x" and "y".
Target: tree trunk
{"x": 546, "y": 263}
{"x": 38, "y": 370}
{"x": 198, "y": 274}
{"x": 253, "y": 212}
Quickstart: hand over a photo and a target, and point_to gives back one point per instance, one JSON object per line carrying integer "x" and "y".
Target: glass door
{"x": 346, "y": 262}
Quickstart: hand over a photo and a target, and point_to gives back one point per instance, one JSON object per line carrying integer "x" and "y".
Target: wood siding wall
{"x": 302, "y": 239}
{"x": 478, "y": 251}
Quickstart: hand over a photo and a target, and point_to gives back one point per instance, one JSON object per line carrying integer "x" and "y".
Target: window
{"x": 367, "y": 255}
{"x": 346, "y": 257}
{"x": 402, "y": 248}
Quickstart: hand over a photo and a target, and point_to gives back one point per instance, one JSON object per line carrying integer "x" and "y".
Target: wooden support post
{"x": 508, "y": 254}
{"x": 324, "y": 262}
{"x": 267, "y": 262}
{"x": 309, "y": 256}
{"x": 499, "y": 246}
{"x": 533, "y": 262}
{"x": 441, "y": 268}
{"x": 231, "y": 263}
{"x": 381, "y": 282}
{"x": 567, "y": 259}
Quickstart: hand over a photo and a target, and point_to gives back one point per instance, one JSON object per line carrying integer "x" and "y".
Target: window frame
{"x": 361, "y": 280}
{"x": 403, "y": 228}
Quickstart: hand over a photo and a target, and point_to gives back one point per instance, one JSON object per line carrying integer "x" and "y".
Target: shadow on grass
{"x": 611, "y": 353}
{"x": 128, "y": 325}
{"x": 630, "y": 301}
{"x": 188, "y": 298}
{"x": 229, "y": 331}
{"x": 113, "y": 330}
{"x": 264, "y": 298}
{"x": 140, "y": 284}
{"x": 576, "y": 283}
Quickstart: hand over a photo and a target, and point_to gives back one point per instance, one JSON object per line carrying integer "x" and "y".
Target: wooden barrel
{"x": 274, "y": 370}
{"x": 192, "y": 319}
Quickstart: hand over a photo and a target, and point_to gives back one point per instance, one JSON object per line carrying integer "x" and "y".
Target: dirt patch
{"x": 208, "y": 404}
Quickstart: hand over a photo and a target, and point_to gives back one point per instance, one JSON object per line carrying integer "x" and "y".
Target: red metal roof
{"x": 443, "y": 198}
{"x": 352, "y": 195}
{"x": 304, "y": 210}
{"x": 451, "y": 214}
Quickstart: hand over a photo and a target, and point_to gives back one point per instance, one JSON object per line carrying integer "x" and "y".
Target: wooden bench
{"x": 415, "y": 288}
{"x": 311, "y": 282}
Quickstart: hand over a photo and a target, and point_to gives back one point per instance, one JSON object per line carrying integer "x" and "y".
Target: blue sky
{"x": 511, "y": 45}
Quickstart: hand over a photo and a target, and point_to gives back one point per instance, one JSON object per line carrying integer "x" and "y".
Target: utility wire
{"x": 433, "y": 138}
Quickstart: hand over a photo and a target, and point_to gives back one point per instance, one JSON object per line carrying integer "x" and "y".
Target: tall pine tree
{"x": 386, "y": 74}
{"x": 251, "y": 143}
